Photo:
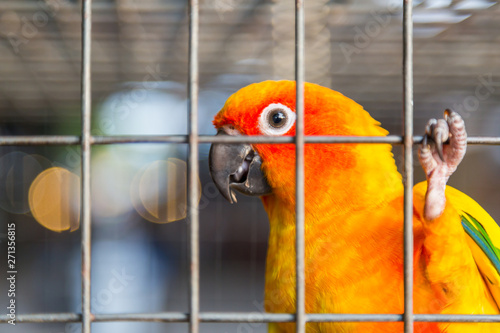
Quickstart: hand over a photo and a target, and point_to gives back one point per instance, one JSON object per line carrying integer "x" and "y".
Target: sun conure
{"x": 354, "y": 213}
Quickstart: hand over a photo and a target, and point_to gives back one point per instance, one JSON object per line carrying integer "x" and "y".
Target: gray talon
{"x": 437, "y": 134}
{"x": 438, "y": 140}
{"x": 430, "y": 126}
{"x": 425, "y": 142}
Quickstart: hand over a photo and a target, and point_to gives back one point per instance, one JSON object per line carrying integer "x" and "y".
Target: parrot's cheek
{"x": 237, "y": 167}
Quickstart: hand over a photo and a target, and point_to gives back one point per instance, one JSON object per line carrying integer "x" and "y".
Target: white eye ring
{"x": 276, "y": 119}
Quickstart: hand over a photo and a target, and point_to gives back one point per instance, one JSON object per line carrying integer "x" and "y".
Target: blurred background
{"x": 139, "y": 76}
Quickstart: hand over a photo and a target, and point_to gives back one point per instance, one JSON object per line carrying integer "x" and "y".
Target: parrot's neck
{"x": 372, "y": 181}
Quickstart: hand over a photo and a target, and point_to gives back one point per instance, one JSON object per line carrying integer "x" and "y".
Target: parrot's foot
{"x": 440, "y": 161}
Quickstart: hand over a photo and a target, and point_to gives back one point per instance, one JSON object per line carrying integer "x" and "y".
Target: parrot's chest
{"x": 341, "y": 285}
{"x": 340, "y": 277}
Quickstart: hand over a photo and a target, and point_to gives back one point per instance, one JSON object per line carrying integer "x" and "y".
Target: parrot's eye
{"x": 276, "y": 119}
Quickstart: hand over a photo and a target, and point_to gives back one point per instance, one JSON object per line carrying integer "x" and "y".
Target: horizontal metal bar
{"x": 336, "y": 317}
{"x": 250, "y": 139}
{"x": 45, "y": 318}
{"x": 457, "y": 318}
{"x": 39, "y": 140}
{"x": 247, "y": 317}
{"x": 154, "y": 317}
{"x": 107, "y": 140}
{"x": 251, "y": 317}
{"x": 483, "y": 140}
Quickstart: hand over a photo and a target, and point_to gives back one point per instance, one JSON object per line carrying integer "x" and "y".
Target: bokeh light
{"x": 54, "y": 199}
{"x": 111, "y": 179}
{"x": 159, "y": 191}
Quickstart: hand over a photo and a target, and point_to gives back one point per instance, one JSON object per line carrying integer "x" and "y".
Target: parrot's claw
{"x": 440, "y": 159}
{"x": 436, "y": 134}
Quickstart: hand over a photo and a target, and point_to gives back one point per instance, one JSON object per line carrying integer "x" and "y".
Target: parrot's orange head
{"x": 268, "y": 108}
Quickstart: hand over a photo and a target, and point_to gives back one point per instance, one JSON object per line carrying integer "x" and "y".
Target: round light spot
{"x": 159, "y": 191}
{"x": 54, "y": 199}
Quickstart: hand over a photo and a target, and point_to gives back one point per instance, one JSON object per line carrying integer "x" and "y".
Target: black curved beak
{"x": 236, "y": 166}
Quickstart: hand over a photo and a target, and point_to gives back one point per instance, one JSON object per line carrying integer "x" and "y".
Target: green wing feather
{"x": 476, "y": 231}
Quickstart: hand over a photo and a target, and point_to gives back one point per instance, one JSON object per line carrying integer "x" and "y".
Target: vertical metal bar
{"x": 408, "y": 163}
{"x": 193, "y": 216}
{"x": 299, "y": 167}
{"x": 85, "y": 162}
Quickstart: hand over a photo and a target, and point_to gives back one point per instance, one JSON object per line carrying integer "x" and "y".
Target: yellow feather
{"x": 465, "y": 204}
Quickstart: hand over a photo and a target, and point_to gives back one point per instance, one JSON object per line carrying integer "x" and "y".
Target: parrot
{"x": 354, "y": 213}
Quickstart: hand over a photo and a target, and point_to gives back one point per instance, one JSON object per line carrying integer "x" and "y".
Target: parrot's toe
{"x": 458, "y": 138}
{"x": 442, "y": 150}
{"x": 444, "y": 145}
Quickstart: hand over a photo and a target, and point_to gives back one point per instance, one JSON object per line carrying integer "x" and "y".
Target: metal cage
{"x": 194, "y": 316}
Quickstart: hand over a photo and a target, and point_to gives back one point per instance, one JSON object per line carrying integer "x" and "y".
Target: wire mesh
{"x": 194, "y": 317}
{"x": 300, "y": 321}
{"x": 244, "y": 317}
{"x": 193, "y": 213}
{"x": 408, "y": 164}
{"x": 85, "y": 161}
{"x": 109, "y": 140}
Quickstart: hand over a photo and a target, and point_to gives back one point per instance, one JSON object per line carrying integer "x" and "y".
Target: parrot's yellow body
{"x": 354, "y": 221}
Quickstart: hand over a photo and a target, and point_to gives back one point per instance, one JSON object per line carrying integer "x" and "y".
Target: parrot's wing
{"x": 483, "y": 238}
{"x": 486, "y": 254}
